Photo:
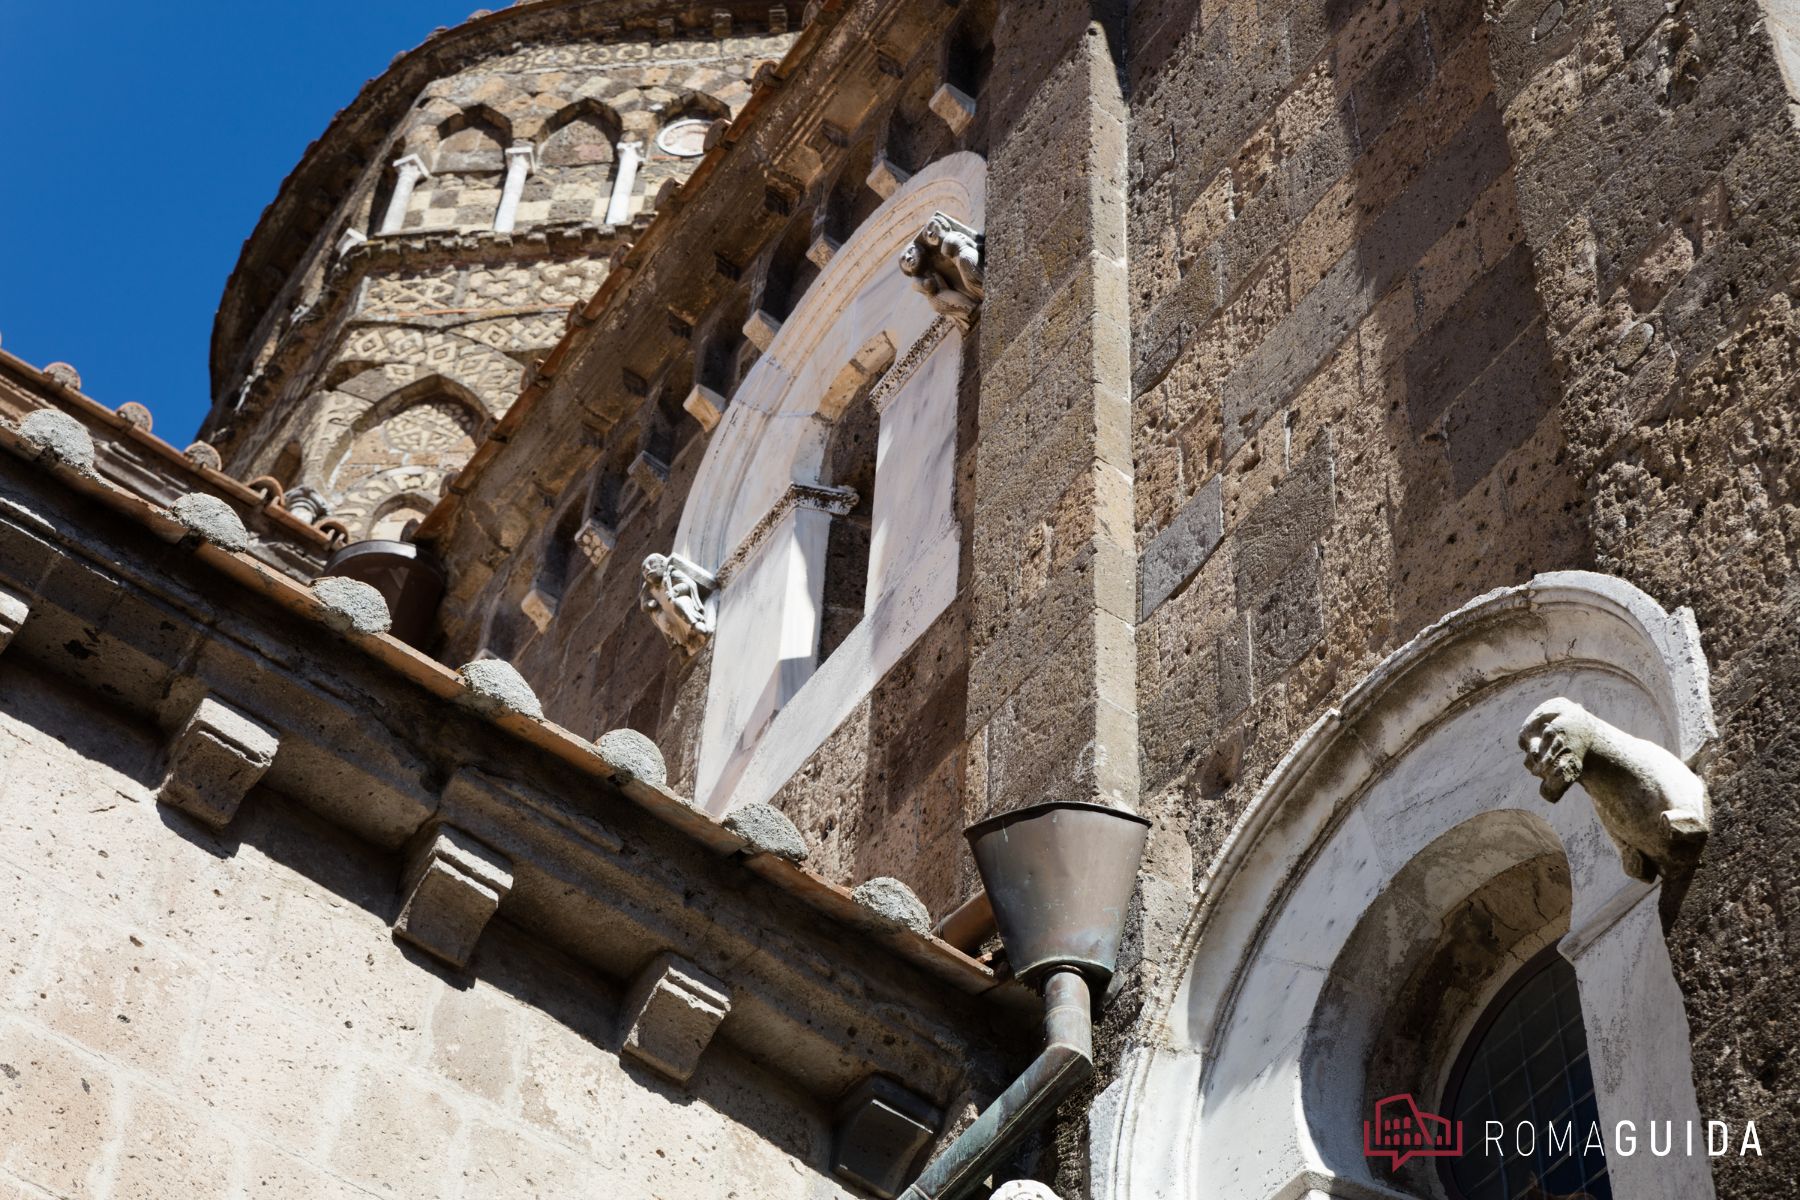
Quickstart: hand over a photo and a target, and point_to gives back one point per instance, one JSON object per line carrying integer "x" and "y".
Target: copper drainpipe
{"x": 1059, "y": 877}
{"x": 1066, "y": 1062}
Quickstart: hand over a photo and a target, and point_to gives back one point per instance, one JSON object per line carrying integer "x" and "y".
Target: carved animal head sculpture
{"x": 1652, "y": 805}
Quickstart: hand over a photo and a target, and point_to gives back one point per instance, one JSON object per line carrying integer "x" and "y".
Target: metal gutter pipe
{"x": 1067, "y": 1061}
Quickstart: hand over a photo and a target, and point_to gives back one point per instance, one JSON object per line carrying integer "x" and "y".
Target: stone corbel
{"x": 886, "y": 177}
{"x": 649, "y": 473}
{"x": 539, "y": 606}
{"x": 671, "y": 1014}
{"x": 1654, "y": 808}
{"x": 881, "y": 1129}
{"x": 761, "y": 328}
{"x": 214, "y": 761}
{"x": 705, "y": 406}
{"x": 453, "y": 886}
{"x": 955, "y": 106}
{"x": 13, "y": 611}
{"x": 596, "y": 539}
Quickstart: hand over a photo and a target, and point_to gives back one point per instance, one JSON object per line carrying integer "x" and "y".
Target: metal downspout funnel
{"x": 1060, "y": 877}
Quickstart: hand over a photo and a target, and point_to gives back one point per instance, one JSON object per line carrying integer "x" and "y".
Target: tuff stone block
{"x": 453, "y": 886}
{"x": 1173, "y": 556}
{"x": 671, "y": 1014}
{"x": 214, "y": 761}
{"x": 881, "y": 1129}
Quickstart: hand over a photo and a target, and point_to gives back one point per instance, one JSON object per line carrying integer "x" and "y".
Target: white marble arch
{"x": 1248, "y": 1079}
{"x": 769, "y": 704}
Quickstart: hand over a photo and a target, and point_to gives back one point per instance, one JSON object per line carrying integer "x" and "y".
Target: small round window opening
{"x": 685, "y": 138}
{"x": 1526, "y": 1066}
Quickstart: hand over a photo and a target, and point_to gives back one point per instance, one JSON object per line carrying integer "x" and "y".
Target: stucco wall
{"x": 184, "y": 1014}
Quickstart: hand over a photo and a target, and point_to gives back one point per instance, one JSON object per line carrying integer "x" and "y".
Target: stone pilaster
{"x": 1052, "y": 705}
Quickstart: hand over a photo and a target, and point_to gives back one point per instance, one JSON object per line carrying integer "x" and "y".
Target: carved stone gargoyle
{"x": 1652, "y": 805}
{"x": 674, "y": 594}
{"x": 946, "y": 261}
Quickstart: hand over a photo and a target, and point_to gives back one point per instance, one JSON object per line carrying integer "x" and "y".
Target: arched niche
{"x": 756, "y": 520}
{"x": 1263, "y": 1047}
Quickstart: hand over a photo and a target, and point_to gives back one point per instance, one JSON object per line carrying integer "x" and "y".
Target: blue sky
{"x": 142, "y": 141}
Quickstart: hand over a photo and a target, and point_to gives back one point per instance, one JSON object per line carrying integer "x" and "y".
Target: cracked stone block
{"x": 671, "y": 1014}
{"x": 454, "y": 885}
{"x": 705, "y": 406}
{"x": 881, "y": 1130}
{"x": 955, "y": 106}
{"x": 13, "y": 611}
{"x": 215, "y": 760}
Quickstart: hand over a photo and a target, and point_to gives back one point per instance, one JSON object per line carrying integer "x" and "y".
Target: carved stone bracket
{"x": 946, "y": 260}
{"x": 674, "y": 593}
{"x": 881, "y": 1129}
{"x": 453, "y": 885}
{"x": 13, "y": 611}
{"x": 214, "y": 761}
{"x": 671, "y": 1014}
{"x": 1652, "y": 805}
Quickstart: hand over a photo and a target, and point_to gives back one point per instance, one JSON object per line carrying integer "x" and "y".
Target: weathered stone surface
{"x": 893, "y": 902}
{"x": 59, "y": 438}
{"x": 211, "y": 520}
{"x": 768, "y": 831}
{"x": 453, "y": 886}
{"x": 494, "y": 686}
{"x": 214, "y": 761}
{"x": 671, "y": 1014}
{"x": 633, "y": 755}
{"x": 352, "y": 606}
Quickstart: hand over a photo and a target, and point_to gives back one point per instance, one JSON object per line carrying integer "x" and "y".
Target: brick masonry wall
{"x": 188, "y": 1015}
{"x": 1428, "y": 297}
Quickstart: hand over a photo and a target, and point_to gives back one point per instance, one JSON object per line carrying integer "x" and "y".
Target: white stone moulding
{"x": 1247, "y": 1076}
{"x": 772, "y": 436}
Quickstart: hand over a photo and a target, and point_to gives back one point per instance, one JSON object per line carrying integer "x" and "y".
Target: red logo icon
{"x": 1401, "y": 1130}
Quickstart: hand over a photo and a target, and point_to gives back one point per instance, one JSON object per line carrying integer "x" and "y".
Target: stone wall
{"x": 185, "y": 1013}
{"x": 445, "y": 310}
{"x": 892, "y": 786}
{"x": 1429, "y": 297}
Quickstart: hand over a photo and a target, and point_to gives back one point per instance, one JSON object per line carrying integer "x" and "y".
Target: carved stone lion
{"x": 672, "y": 596}
{"x": 945, "y": 262}
{"x": 1652, "y": 805}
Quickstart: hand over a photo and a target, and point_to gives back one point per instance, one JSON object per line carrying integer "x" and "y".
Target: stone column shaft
{"x": 408, "y": 172}
{"x": 618, "y": 208}
{"x": 519, "y": 163}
